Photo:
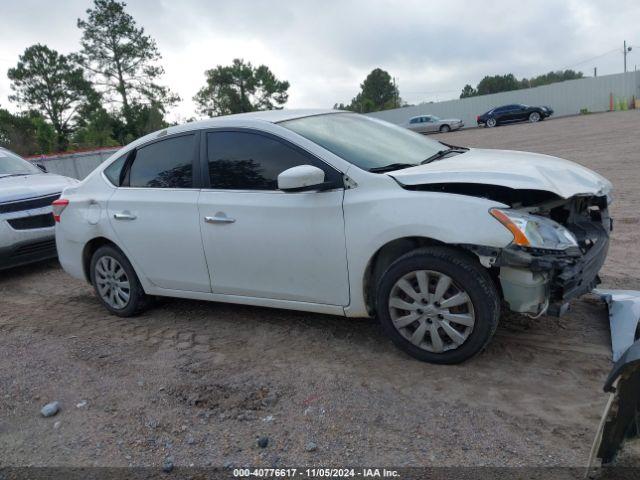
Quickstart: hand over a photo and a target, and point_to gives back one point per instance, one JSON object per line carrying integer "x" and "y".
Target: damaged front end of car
{"x": 556, "y": 210}
{"x": 558, "y": 249}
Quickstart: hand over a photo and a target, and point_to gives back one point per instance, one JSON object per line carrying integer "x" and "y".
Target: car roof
{"x": 249, "y": 119}
{"x": 271, "y": 116}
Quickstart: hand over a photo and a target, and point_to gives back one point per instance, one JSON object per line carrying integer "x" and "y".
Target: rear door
{"x": 501, "y": 114}
{"x": 429, "y": 124}
{"x": 414, "y": 124}
{"x": 154, "y": 213}
{"x": 521, "y": 112}
{"x": 511, "y": 113}
{"x": 260, "y": 241}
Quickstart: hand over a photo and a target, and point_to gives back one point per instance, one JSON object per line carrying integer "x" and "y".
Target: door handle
{"x": 124, "y": 216}
{"x": 219, "y": 218}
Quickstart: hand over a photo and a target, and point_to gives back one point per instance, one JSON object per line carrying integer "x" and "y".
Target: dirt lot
{"x": 200, "y": 382}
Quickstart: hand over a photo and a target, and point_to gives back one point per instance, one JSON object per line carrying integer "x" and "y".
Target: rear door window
{"x": 165, "y": 164}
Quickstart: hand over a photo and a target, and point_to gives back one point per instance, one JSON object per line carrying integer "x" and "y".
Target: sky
{"x": 325, "y": 48}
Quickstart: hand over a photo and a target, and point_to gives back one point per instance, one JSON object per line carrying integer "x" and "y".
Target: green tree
{"x": 505, "y": 83}
{"x": 554, "y": 77}
{"x": 468, "y": 91}
{"x": 95, "y": 129}
{"x": 49, "y": 82}
{"x": 144, "y": 118}
{"x": 240, "y": 87}
{"x": 26, "y": 133}
{"x": 123, "y": 61}
{"x": 377, "y": 92}
{"x": 498, "y": 83}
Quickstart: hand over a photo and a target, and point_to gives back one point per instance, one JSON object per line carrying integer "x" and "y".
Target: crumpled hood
{"x": 508, "y": 168}
{"x": 29, "y": 186}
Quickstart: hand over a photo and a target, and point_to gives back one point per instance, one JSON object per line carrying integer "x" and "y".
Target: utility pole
{"x": 625, "y": 50}
{"x": 396, "y": 93}
{"x": 595, "y": 71}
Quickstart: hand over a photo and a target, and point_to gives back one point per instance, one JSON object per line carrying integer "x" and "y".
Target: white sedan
{"x": 432, "y": 124}
{"x": 337, "y": 213}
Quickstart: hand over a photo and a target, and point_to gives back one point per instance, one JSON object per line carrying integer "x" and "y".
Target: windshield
{"x": 363, "y": 141}
{"x": 11, "y": 164}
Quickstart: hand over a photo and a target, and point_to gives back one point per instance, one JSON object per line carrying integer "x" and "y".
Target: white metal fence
{"x": 566, "y": 98}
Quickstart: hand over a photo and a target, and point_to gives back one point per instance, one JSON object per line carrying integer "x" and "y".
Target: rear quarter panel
{"x": 84, "y": 219}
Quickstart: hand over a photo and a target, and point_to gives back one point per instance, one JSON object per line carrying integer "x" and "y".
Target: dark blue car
{"x": 513, "y": 113}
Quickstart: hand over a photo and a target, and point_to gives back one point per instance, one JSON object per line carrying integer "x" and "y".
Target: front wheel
{"x": 438, "y": 305}
{"x": 445, "y": 129}
{"x": 534, "y": 117}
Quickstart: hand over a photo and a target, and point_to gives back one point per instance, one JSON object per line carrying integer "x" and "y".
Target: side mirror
{"x": 301, "y": 178}
{"x": 41, "y": 167}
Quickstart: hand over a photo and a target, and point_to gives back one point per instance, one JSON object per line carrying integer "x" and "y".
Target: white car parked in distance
{"x": 338, "y": 213}
{"x": 432, "y": 124}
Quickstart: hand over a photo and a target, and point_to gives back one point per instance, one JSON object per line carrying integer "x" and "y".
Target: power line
{"x": 596, "y": 57}
{"x": 592, "y": 58}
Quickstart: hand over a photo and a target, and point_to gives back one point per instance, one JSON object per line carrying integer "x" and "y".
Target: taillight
{"x": 58, "y": 207}
{"x": 478, "y": 118}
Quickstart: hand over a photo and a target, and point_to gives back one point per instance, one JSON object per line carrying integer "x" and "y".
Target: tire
{"x": 534, "y": 117}
{"x": 491, "y": 122}
{"x": 480, "y": 311}
{"x": 111, "y": 271}
{"x": 445, "y": 129}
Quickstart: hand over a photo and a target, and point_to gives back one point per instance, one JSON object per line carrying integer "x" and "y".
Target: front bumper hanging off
{"x": 537, "y": 280}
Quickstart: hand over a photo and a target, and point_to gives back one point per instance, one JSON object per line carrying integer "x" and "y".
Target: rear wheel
{"x": 491, "y": 122}
{"x": 445, "y": 129}
{"x": 534, "y": 117}
{"x": 438, "y": 305}
{"x": 116, "y": 283}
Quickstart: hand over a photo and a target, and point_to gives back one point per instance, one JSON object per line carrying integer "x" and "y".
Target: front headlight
{"x": 534, "y": 231}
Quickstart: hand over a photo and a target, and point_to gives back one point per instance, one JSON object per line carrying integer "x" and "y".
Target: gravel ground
{"x": 203, "y": 382}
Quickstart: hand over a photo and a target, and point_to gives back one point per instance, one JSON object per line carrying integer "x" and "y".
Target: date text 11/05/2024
{"x": 316, "y": 472}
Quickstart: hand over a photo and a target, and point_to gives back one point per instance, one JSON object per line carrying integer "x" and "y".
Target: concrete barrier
{"x": 75, "y": 164}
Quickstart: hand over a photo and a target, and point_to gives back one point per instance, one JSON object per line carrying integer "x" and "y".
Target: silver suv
{"x": 26, "y": 221}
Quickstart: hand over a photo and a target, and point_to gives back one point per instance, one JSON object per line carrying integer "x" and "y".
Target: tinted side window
{"x": 249, "y": 161}
{"x": 113, "y": 171}
{"x": 165, "y": 164}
